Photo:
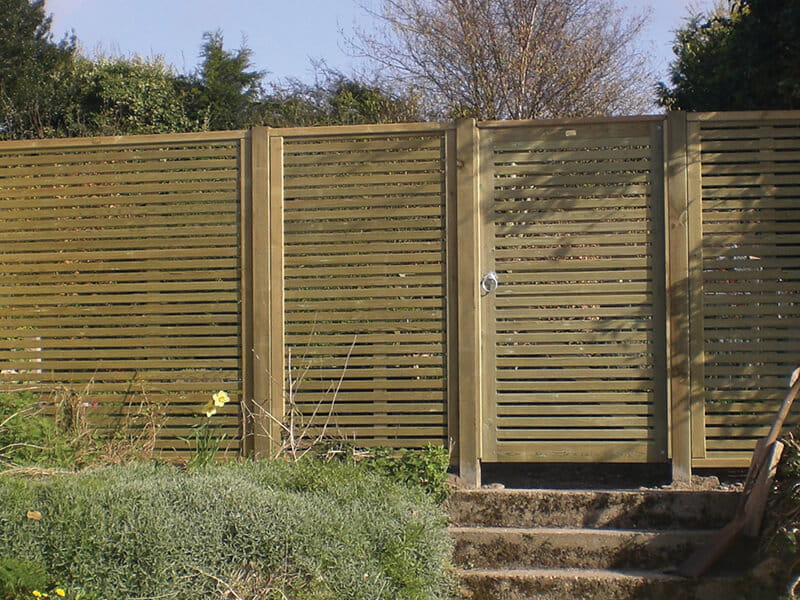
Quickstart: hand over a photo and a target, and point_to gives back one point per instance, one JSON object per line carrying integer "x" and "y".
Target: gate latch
{"x": 489, "y": 282}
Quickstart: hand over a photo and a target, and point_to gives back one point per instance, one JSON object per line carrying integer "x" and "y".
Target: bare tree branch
{"x": 511, "y": 59}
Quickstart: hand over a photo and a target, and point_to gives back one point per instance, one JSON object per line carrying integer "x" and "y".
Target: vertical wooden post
{"x": 660, "y": 448}
{"x": 469, "y": 315}
{"x": 277, "y": 392}
{"x": 678, "y": 298}
{"x": 246, "y": 292}
{"x": 694, "y": 199}
{"x": 260, "y": 301}
{"x": 451, "y": 240}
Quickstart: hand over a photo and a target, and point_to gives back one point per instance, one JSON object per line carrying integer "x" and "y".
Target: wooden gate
{"x": 574, "y": 341}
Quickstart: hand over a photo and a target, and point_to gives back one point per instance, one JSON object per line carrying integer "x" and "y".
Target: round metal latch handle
{"x": 489, "y": 282}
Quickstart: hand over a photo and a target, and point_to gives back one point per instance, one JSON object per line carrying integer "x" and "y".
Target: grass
{"x": 310, "y": 530}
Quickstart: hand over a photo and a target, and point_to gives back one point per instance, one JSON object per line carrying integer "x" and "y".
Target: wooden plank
{"x": 606, "y": 410}
{"x": 596, "y": 425}
{"x": 115, "y": 189}
{"x": 586, "y": 451}
{"x": 450, "y": 200}
{"x": 532, "y": 227}
{"x": 678, "y": 297}
{"x": 660, "y": 234}
{"x": 247, "y": 327}
{"x": 334, "y": 205}
{"x": 736, "y": 117}
{"x": 571, "y": 121}
{"x": 333, "y": 161}
{"x": 696, "y": 233}
{"x": 407, "y": 189}
{"x": 37, "y": 207}
{"x": 86, "y": 158}
{"x": 89, "y": 143}
{"x": 132, "y": 254}
{"x": 468, "y": 235}
{"x": 101, "y": 177}
{"x": 96, "y": 363}
{"x": 574, "y": 435}
{"x": 588, "y": 191}
{"x": 276, "y": 365}
{"x": 565, "y": 205}
{"x": 384, "y": 129}
{"x": 405, "y": 165}
{"x": 74, "y": 228}
{"x": 587, "y": 386}
{"x": 259, "y": 171}
{"x": 594, "y": 156}
{"x": 355, "y": 149}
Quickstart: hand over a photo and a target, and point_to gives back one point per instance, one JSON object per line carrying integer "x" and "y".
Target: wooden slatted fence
{"x": 746, "y": 283}
{"x": 576, "y": 236}
{"x": 365, "y": 285}
{"x": 120, "y": 277}
{"x": 332, "y": 275}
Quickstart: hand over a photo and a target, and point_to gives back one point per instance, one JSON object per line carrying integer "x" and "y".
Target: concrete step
{"x": 588, "y": 584}
{"x": 603, "y": 509}
{"x": 514, "y": 548}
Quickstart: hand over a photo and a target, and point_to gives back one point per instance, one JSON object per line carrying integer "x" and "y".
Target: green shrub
{"x": 26, "y": 435}
{"x": 311, "y": 530}
{"x": 20, "y": 577}
{"x": 425, "y": 468}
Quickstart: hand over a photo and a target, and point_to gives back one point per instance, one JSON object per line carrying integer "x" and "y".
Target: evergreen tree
{"x": 34, "y": 72}
{"x": 744, "y": 58}
{"x": 227, "y": 92}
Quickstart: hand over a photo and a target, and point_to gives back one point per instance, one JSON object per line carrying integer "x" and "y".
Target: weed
{"x": 20, "y": 578}
{"x": 54, "y": 431}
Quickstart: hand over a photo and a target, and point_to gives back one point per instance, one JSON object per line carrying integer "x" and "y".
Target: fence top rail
{"x": 580, "y": 121}
{"x": 351, "y": 130}
{"x": 742, "y": 115}
{"x": 122, "y": 140}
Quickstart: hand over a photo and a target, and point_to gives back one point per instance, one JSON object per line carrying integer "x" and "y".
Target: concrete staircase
{"x": 588, "y": 545}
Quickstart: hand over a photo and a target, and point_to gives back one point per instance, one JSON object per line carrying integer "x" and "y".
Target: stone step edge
{"x": 596, "y": 531}
{"x": 593, "y": 491}
{"x": 632, "y": 575}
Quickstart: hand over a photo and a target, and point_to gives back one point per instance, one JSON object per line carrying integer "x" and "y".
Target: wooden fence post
{"x": 246, "y": 307}
{"x": 678, "y": 298}
{"x": 275, "y": 324}
{"x": 468, "y": 225}
{"x": 261, "y": 403}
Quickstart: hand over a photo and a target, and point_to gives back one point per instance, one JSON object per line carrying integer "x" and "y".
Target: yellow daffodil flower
{"x": 209, "y": 409}
{"x": 220, "y": 398}
{"x": 60, "y": 592}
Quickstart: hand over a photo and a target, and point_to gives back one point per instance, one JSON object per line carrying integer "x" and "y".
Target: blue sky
{"x": 285, "y": 35}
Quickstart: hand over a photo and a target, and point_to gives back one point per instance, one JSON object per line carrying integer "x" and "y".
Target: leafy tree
{"x": 127, "y": 96}
{"x": 741, "y": 58}
{"x": 227, "y": 92}
{"x": 34, "y": 90}
{"x": 336, "y": 99}
{"x": 519, "y": 59}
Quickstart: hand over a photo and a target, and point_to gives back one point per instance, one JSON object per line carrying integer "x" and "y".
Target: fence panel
{"x": 575, "y": 224}
{"x": 365, "y": 271}
{"x": 747, "y": 291}
{"x": 120, "y": 277}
